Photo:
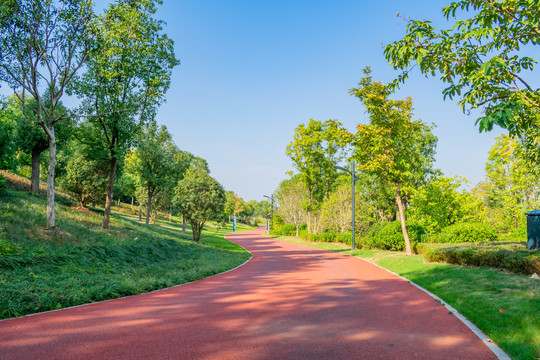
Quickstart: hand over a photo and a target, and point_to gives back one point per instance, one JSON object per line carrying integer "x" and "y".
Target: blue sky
{"x": 253, "y": 70}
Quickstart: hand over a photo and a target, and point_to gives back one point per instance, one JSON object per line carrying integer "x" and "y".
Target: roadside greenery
{"x": 504, "y": 306}
{"x": 85, "y": 263}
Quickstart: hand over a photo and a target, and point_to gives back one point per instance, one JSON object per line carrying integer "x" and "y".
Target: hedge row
{"x": 483, "y": 254}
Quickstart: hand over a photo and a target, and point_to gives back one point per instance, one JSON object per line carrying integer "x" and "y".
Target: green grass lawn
{"x": 85, "y": 263}
{"x": 477, "y": 293}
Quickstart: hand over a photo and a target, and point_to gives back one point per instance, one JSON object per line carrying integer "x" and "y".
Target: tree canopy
{"x": 483, "y": 60}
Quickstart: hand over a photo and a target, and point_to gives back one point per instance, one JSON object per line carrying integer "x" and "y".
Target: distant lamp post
{"x": 272, "y": 200}
{"x": 354, "y": 178}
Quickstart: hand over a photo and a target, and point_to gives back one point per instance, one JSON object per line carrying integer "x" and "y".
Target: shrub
{"x": 375, "y": 228}
{"x": 483, "y": 254}
{"x": 285, "y": 229}
{"x": 390, "y": 237}
{"x": 466, "y": 232}
{"x": 3, "y": 185}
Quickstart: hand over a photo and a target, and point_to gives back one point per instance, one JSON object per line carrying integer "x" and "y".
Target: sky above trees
{"x": 251, "y": 71}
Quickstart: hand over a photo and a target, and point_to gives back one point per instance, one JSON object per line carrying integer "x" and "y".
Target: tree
{"x": 30, "y": 137}
{"x": 316, "y": 148}
{"x": 292, "y": 198}
{"x": 441, "y": 203}
{"x": 85, "y": 176}
{"x": 8, "y": 148}
{"x": 482, "y": 61}
{"x": 201, "y": 198}
{"x": 511, "y": 184}
{"x": 393, "y": 147}
{"x": 128, "y": 72}
{"x": 152, "y": 163}
{"x": 43, "y": 43}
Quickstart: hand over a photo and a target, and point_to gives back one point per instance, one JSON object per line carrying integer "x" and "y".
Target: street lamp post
{"x": 272, "y": 204}
{"x": 354, "y": 178}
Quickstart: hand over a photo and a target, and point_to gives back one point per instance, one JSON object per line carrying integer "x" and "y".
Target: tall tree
{"x": 483, "y": 60}
{"x": 393, "y": 147}
{"x": 43, "y": 43}
{"x": 152, "y": 163}
{"x": 511, "y": 184}
{"x": 128, "y": 72}
{"x": 8, "y": 148}
{"x": 441, "y": 203}
{"x": 30, "y": 137}
{"x": 201, "y": 198}
{"x": 316, "y": 148}
{"x": 292, "y": 199}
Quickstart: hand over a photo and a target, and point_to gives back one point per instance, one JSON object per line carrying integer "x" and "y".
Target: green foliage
{"x": 440, "y": 203}
{"x": 511, "y": 184}
{"x": 482, "y": 57}
{"x": 390, "y": 237}
{"x": 200, "y": 198}
{"x": 292, "y": 198}
{"x": 85, "y": 263}
{"x": 85, "y": 177}
{"x": 466, "y": 232}
{"x": 8, "y": 149}
{"x": 375, "y": 228}
{"x": 285, "y": 229}
{"x": 3, "y": 185}
{"x": 316, "y": 148}
{"x": 514, "y": 258}
{"x": 394, "y": 148}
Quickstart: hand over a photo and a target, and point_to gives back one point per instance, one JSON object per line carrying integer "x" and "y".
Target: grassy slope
{"x": 477, "y": 293}
{"x": 85, "y": 263}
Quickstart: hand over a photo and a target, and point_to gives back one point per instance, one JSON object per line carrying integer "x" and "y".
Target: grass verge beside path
{"x": 506, "y": 307}
{"x": 85, "y": 263}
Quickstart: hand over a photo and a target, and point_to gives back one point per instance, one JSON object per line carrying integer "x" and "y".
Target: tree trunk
{"x": 50, "y": 181}
{"x": 308, "y": 222}
{"x": 110, "y": 187}
{"x": 184, "y": 224}
{"x": 140, "y": 212}
{"x": 297, "y": 226}
{"x": 170, "y": 213}
{"x": 34, "y": 178}
{"x": 148, "y": 207}
{"x": 401, "y": 212}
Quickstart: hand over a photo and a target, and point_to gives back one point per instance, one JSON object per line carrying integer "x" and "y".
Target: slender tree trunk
{"x": 401, "y": 213}
{"x": 170, "y": 213}
{"x": 297, "y": 226}
{"x": 184, "y": 224}
{"x": 34, "y": 178}
{"x": 308, "y": 222}
{"x": 140, "y": 212}
{"x": 148, "y": 207}
{"x": 110, "y": 187}
{"x": 50, "y": 181}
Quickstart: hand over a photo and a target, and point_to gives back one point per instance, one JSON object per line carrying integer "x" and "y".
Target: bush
{"x": 375, "y": 228}
{"x": 466, "y": 232}
{"x": 285, "y": 230}
{"x": 483, "y": 254}
{"x": 390, "y": 237}
{"x": 3, "y": 184}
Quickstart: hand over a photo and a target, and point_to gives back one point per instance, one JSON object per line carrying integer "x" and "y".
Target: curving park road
{"x": 288, "y": 302}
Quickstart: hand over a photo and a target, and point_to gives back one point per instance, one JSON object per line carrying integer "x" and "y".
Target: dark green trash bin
{"x": 533, "y": 230}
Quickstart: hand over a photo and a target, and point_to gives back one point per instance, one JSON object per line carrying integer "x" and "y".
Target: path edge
{"x": 500, "y": 353}
{"x": 149, "y": 292}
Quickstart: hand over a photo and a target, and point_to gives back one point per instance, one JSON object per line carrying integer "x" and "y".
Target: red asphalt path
{"x": 289, "y": 302}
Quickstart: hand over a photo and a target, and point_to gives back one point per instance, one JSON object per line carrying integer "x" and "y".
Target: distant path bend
{"x": 289, "y": 302}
